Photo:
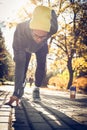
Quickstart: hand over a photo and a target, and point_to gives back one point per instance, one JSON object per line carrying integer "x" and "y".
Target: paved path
{"x": 55, "y": 112}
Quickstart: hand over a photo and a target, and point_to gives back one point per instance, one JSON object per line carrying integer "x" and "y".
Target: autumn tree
{"x": 68, "y": 39}
{"x": 80, "y": 32}
{"x": 83, "y": 24}
{"x": 5, "y": 60}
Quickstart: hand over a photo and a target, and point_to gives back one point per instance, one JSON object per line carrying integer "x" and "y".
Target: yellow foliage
{"x": 81, "y": 83}
{"x": 58, "y": 83}
{"x": 77, "y": 62}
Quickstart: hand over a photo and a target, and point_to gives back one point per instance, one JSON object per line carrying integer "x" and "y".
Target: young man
{"x": 31, "y": 37}
{"x": 31, "y": 80}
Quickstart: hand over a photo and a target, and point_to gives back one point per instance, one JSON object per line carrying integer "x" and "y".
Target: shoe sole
{"x": 36, "y": 101}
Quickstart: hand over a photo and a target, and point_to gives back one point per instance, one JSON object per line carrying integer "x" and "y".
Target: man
{"x": 31, "y": 37}
{"x": 31, "y": 80}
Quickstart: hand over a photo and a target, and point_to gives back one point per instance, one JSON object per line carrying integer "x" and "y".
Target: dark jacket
{"x": 23, "y": 40}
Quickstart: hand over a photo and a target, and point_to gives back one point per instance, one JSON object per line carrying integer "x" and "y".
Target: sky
{"x": 9, "y": 7}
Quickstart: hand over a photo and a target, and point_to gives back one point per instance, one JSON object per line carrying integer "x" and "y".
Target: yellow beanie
{"x": 41, "y": 19}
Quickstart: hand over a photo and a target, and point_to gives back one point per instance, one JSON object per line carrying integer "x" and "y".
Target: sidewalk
{"x": 55, "y": 112}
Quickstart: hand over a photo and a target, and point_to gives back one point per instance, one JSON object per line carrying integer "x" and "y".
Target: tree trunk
{"x": 69, "y": 66}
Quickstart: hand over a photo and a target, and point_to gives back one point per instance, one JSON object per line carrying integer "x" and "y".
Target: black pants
{"x": 21, "y": 65}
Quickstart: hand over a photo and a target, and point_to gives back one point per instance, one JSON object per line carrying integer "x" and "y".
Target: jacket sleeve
{"x": 54, "y": 23}
{"x": 18, "y": 40}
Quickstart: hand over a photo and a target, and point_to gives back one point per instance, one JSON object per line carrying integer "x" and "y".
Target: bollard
{"x": 72, "y": 92}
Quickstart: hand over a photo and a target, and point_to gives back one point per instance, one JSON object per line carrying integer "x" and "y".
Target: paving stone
{"x": 41, "y": 126}
{"x": 21, "y": 128}
{"x": 4, "y": 113}
{"x": 56, "y": 112}
{"x": 58, "y": 124}
{"x": 50, "y": 117}
{"x": 4, "y": 119}
{"x": 81, "y": 119}
{"x": 36, "y": 119}
{"x": 20, "y": 122}
{"x": 79, "y": 127}
{"x": 18, "y": 118}
{"x": 5, "y": 108}
{"x": 3, "y": 126}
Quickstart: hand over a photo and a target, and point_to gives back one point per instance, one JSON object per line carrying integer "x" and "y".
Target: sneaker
{"x": 36, "y": 94}
{"x": 36, "y": 100}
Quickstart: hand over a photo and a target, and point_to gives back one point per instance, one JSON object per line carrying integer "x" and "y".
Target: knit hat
{"x": 41, "y": 19}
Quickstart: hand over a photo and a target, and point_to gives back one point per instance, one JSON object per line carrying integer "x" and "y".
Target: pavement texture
{"x": 56, "y": 111}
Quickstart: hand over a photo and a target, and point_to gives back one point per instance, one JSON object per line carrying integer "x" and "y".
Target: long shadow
{"x": 38, "y": 116}
{"x": 65, "y": 97}
{"x": 19, "y": 121}
{"x": 67, "y": 120}
{"x": 82, "y": 101}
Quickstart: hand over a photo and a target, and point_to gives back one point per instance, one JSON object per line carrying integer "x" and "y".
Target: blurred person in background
{"x": 31, "y": 80}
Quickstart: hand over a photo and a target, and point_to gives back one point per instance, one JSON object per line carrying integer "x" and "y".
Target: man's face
{"x": 39, "y": 35}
